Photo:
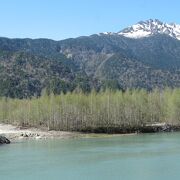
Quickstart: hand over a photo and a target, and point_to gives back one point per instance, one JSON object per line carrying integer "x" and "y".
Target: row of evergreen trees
{"x": 94, "y": 111}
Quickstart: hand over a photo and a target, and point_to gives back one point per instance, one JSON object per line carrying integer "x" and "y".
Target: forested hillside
{"x": 97, "y": 62}
{"x": 25, "y": 75}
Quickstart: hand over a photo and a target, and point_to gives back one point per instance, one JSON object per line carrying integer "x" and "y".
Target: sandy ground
{"x": 14, "y": 133}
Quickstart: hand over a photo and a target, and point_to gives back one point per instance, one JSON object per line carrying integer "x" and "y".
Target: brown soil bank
{"x": 148, "y": 128}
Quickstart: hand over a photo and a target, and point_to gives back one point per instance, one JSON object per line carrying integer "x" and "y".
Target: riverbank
{"x": 14, "y": 132}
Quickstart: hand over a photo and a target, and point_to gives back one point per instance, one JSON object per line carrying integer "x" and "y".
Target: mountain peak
{"x": 151, "y": 27}
{"x": 151, "y": 21}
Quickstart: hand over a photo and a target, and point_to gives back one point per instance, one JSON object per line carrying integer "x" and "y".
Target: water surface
{"x": 139, "y": 157}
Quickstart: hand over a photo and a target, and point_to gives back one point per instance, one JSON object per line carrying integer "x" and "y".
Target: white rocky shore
{"x": 14, "y": 133}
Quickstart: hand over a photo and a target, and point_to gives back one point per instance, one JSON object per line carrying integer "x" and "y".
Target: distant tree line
{"x": 93, "y": 112}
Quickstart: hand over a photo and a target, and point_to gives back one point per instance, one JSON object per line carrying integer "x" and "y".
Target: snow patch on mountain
{"x": 151, "y": 27}
{"x": 148, "y": 28}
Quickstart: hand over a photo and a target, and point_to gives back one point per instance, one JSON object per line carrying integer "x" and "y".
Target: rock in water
{"x": 4, "y": 140}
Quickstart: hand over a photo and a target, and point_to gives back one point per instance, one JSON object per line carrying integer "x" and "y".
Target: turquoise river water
{"x": 138, "y": 157}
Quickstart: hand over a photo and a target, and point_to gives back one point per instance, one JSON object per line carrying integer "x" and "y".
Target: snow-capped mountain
{"x": 150, "y": 27}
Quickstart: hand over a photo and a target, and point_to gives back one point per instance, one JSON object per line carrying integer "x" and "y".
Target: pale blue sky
{"x": 60, "y": 19}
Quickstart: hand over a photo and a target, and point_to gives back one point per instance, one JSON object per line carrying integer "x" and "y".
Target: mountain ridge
{"x": 100, "y": 61}
{"x": 148, "y": 28}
